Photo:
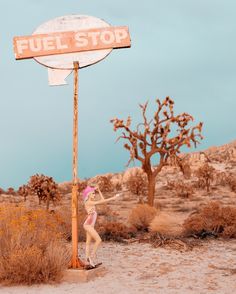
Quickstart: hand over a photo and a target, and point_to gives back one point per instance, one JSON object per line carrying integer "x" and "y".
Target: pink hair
{"x": 86, "y": 191}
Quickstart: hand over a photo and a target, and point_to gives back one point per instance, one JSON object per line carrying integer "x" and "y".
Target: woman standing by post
{"x": 90, "y": 203}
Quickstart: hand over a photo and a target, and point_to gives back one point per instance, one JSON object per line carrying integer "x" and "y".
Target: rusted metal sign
{"x": 69, "y": 42}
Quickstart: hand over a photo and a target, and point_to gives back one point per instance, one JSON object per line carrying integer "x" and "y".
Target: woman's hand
{"x": 117, "y": 195}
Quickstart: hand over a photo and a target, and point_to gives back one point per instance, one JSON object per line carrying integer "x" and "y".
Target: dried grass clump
{"x": 116, "y": 231}
{"x": 141, "y": 216}
{"x": 231, "y": 181}
{"x": 214, "y": 219}
{"x": 64, "y": 218}
{"x": 205, "y": 175}
{"x": 65, "y": 188}
{"x": 104, "y": 183}
{"x": 117, "y": 182}
{"x": 23, "y": 191}
{"x": 221, "y": 178}
{"x": 182, "y": 189}
{"x": 32, "y": 249}
{"x": 136, "y": 182}
{"x": 167, "y": 225}
{"x": 11, "y": 191}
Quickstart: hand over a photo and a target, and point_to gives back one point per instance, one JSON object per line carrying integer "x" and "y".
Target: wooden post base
{"x": 76, "y": 264}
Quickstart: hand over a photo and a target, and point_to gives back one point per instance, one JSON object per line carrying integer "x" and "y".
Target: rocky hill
{"x": 216, "y": 154}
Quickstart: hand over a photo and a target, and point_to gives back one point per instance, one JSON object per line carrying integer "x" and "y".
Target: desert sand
{"x": 140, "y": 268}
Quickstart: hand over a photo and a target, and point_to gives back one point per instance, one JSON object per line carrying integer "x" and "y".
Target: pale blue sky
{"x": 185, "y": 49}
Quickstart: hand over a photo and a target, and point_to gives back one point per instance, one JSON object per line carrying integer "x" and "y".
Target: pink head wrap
{"x": 86, "y": 191}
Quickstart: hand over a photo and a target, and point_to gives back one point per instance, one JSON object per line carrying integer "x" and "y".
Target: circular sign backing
{"x": 72, "y": 23}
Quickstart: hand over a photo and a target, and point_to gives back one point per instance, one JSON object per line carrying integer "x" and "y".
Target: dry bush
{"x": 64, "y": 218}
{"x": 136, "y": 182}
{"x": 31, "y": 247}
{"x": 45, "y": 188}
{"x": 82, "y": 184}
{"x": 182, "y": 189}
{"x": 117, "y": 181}
{"x": 115, "y": 231}
{"x": 226, "y": 179}
{"x": 213, "y": 219}
{"x": 205, "y": 175}
{"x": 231, "y": 181}
{"x": 10, "y": 191}
{"x": 104, "y": 183}
{"x": 221, "y": 179}
{"x": 23, "y": 191}
{"x": 117, "y": 184}
{"x": 141, "y": 216}
{"x": 65, "y": 188}
{"x": 166, "y": 224}
{"x": 2, "y": 191}
{"x": 106, "y": 211}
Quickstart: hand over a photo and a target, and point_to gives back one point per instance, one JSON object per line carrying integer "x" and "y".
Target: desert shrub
{"x": 117, "y": 184}
{"x": 82, "y": 184}
{"x": 45, "y": 188}
{"x": 2, "y": 191}
{"x": 205, "y": 175}
{"x": 221, "y": 178}
{"x": 64, "y": 218}
{"x": 116, "y": 231}
{"x": 168, "y": 225}
{"x": 213, "y": 219}
{"x": 23, "y": 191}
{"x": 182, "y": 189}
{"x": 141, "y": 216}
{"x": 65, "y": 188}
{"x": 104, "y": 183}
{"x": 226, "y": 179}
{"x": 231, "y": 181}
{"x": 10, "y": 191}
{"x": 117, "y": 181}
{"x": 32, "y": 249}
{"x": 136, "y": 182}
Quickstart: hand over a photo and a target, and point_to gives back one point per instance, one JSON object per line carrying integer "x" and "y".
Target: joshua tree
{"x": 45, "y": 188}
{"x": 163, "y": 136}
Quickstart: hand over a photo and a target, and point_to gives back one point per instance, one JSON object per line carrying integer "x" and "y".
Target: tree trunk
{"x": 151, "y": 189}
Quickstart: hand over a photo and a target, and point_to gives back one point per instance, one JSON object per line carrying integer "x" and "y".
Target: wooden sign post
{"x": 76, "y": 262}
{"x": 63, "y": 45}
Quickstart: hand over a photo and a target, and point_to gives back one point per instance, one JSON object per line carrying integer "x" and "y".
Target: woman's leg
{"x": 87, "y": 248}
{"x": 93, "y": 233}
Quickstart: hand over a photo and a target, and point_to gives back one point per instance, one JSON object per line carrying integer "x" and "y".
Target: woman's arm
{"x": 100, "y": 193}
{"x": 90, "y": 202}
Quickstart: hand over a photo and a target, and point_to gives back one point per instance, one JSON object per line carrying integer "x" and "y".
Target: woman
{"x": 90, "y": 203}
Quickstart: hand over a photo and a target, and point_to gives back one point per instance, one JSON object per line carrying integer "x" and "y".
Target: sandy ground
{"x": 139, "y": 268}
